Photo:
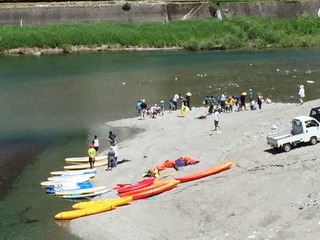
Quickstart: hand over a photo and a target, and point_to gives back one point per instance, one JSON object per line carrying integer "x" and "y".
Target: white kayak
{"x": 54, "y": 178}
{"x": 68, "y": 184}
{"x": 74, "y": 172}
{"x": 53, "y": 190}
{"x": 94, "y": 194}
{"x": 56, "y": 182}
{"x": 85, "y": 165}
{"x": 81, "y": 191}
{"x": 85, "y": 159}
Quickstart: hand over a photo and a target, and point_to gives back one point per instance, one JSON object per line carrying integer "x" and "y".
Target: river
{"x": 53, "y": 105}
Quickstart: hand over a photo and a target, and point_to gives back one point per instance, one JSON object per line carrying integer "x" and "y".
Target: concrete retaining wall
{"x": 270, "y": 9}
{"x": 88, "y": 12}
{"x": 42, "y": 15}
{"x": 82, "y": 13}
{"x": 176, "y": 11}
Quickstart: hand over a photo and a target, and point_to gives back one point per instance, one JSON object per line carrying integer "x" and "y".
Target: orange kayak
{"x": 152, "y": 190}
{"x": 206, "y": 172}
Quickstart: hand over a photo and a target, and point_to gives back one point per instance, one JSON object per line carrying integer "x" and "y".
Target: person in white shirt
{"x": 216, "y": 118}
{"x": 301, "y": 94}
{"x": 95, "y": 143}
{"x": 175, "y": 99}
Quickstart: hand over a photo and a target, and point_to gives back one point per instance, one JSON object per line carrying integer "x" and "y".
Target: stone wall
{"x": 270, "y": 9}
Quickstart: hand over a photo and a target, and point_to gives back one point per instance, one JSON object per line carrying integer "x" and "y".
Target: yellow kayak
{"x": 68, "y": 215}
{"x": 114, "y": 201}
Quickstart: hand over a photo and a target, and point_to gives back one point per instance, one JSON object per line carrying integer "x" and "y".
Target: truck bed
{"x": 273, "y": 139}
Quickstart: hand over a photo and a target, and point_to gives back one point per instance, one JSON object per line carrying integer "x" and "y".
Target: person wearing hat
{"x": 243, "y": 101}
{"x": 92, "y": 155}
{"x": 301, "y": 94}
{"x": 188, "y": 95}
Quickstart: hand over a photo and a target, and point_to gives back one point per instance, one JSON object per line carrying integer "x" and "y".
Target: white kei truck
{"x": 304, "y": 129}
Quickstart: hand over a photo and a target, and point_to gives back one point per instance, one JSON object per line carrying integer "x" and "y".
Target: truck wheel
{"x": 313, "y": 140}
{"x": 287, "y": 147}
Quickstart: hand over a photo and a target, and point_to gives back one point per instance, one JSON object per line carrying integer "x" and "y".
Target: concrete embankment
{"x": 89, "y": 12}
{"x": 271, "y": 9}
{"x": 140, "y": 12}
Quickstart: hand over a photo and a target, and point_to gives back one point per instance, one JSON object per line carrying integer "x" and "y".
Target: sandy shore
{"x": 265, "y": 195}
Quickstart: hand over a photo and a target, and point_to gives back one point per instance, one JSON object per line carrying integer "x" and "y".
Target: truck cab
{"x": 315, "y": 113}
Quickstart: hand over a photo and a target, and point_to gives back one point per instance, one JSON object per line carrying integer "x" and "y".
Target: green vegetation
{"x": 207, "y": 34}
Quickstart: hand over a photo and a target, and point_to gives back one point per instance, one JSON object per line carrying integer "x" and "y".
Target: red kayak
{"x": 206, "y": 172}
{"x": 152, "y": 190}
{"x": 143, "y": 183}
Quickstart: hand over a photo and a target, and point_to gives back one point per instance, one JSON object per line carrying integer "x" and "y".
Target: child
{"x": 162, "y": 107}
{"x": 171, "y": 105}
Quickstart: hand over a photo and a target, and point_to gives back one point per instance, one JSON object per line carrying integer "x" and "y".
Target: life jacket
{"x": 152, "y": 173}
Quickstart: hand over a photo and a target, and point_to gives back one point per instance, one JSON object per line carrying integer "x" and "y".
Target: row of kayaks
{"x": 75, "y": 183}
{"x": 89, "y": 208}
{"x": 80, "y": 163}
{"x": 146, "y": 188}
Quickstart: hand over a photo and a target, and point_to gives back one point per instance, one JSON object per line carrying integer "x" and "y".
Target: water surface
{"x": 52, "y": 106}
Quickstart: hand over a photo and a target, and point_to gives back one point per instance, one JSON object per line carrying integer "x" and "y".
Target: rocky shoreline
{"x": 79, "y": 49}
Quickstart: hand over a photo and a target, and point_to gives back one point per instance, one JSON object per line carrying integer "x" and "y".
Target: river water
{"x": 52, "y": 106}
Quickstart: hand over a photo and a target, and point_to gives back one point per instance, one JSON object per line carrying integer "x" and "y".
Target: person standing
{"x": 259, "y": 100}
{"x": 96, "y": 144}
{"x": 243, "y": 101}
{"x": 111, "y": 159}
{"x": 143, "y": 109}
{"x": 250, "y": 95}
{"x": 175, "y": 100}
{"x": 301, "y": 94}
{"x": 92, "y": 155}
{"x": 112, "y": 138}
{"x": 183, "y": 109}
{"x": 115, "y": 150}
{"x": 216, "y": 119}
{"x": 162, "y": 105}
{"x": 188, "y": 98}
{"x": 138, "y": 107}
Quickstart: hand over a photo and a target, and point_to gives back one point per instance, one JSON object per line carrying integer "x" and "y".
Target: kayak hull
{"x": 206, "y": 172}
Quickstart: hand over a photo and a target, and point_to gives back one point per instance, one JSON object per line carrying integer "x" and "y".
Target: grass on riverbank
{"x": 207, "y": 34}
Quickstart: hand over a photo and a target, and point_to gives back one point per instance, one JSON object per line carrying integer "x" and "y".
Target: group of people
{"x": 93, "y": 151}
{"x": 228, "y": 104}
{"x": 153, "y": 111}
{"x": 185, "y": 101}
{"x": 143, "y": 110}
